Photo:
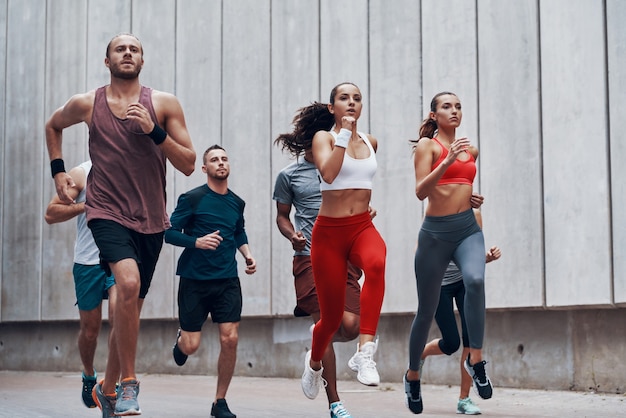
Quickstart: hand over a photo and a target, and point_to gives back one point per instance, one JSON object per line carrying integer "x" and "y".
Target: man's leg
{"x": 126, "y": 314}
{"x": 90, "y": 322}
{"x": 125, "y": 332}
{"x": 229, "y": 337}
{"x": 88, "y": 337}
{"x": 104, "y": 391}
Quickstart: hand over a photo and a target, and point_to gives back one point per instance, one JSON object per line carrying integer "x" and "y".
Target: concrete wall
{"x": 541, "y": 84}
{"x": 561, "y": 349}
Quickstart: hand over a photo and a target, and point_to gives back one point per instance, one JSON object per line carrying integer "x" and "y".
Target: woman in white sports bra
{"x": 343, "y": 231}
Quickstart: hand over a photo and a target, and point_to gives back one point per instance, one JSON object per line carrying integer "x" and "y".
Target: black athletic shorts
{"x": 198, "y": 298}
{"x": 116, "y": 242}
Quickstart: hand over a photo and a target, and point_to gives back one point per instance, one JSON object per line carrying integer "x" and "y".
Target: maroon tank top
{"x": 126, "y": 183}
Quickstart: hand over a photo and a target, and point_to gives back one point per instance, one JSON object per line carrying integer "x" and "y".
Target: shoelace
{"x": 479, "y": 370}
{"x": 367, "y": 361}
{"x": 341, "y": 411}
{"x": 129, "y": 391}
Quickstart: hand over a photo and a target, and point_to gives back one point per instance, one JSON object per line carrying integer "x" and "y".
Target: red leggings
{"x": 335, "y": 241}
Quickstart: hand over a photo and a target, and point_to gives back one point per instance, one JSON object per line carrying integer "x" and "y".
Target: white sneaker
{"x": 363, "y": 363}
{"x": 312, "y": 380}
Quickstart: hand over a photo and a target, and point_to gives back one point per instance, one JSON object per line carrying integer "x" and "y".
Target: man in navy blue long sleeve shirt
{"x": 208, "y": 222}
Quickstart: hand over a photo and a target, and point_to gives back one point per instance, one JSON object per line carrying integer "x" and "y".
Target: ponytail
{"x": 309, "y": 120}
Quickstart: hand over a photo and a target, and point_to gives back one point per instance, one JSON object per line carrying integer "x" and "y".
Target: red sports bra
{"x": 460, "y": 172}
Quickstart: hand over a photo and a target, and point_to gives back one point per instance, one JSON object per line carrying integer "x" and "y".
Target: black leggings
{"x": 446, "y": 321}
{"x": 441, "y": 239}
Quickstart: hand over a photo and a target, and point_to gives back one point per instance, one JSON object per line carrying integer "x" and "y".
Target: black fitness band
{"x": 157, "y": 134}
{"x": 57, "y": 166}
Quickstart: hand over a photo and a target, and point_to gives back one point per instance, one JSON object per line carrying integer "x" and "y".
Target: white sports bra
{"x": 354, "y": 173}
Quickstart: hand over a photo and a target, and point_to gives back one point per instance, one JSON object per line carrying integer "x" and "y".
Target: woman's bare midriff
{"x": 449, "y": 199}
{"x": 344, "y": 203}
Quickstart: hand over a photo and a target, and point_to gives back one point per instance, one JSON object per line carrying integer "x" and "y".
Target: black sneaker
{"x": 413, "y": 395}
{"x": 220, "y": 410}
{"x": 482, "y": 384}
{"x": 88, "y": 383}
{"x": 179, "y": 357}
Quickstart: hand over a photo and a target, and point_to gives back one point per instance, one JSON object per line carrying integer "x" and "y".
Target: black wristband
{"x": 157, "y": 134}
{"x": 57, "y": 166}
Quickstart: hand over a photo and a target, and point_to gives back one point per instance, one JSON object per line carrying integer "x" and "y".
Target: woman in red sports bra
{"x": 445, "y": 167}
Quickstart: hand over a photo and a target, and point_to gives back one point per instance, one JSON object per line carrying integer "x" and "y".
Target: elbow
{"x": 420, "y": 194}
{"x": 49, "y": 219}
{"x": 189, "y": 170}
{"x": 328, "y": 179}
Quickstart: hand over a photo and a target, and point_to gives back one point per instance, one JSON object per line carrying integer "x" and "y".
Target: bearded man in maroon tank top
{"x": 133, "y": 130}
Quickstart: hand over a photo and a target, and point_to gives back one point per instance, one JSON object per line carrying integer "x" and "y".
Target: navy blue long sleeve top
{"x": 199, "y": 212}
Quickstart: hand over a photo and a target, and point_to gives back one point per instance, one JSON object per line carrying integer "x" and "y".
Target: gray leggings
{"x": 441, "y": 239}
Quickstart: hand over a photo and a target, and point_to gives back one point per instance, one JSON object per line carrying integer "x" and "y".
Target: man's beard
{"x": 125, "y": 75}
{"x": 221, "y": 175}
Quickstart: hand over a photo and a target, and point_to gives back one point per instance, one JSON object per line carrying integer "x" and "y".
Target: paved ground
{"x": 38, "y": 394}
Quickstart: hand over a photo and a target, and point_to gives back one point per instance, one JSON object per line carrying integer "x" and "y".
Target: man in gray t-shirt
{"x": 298, "y": 185}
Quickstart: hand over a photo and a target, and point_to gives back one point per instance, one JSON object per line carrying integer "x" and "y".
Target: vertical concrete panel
{"x": 576, "y": 196}
{"x": 295, "y": 83}
{"x": 3, "y": 98}
{"x": 64, "y": 77}
{"x": 449, "y": 60}
{"x": 154, "y": 23}
{"x": 344, "y": 50}
{"x": 106, "y": 18}
{"x": 616, "y": 49}
{"x": 510, "y": 150}
{"x": 198, "y": 87}
{"x": 22, "y": 226}
{"x": 395, "y": 97}
{"x": 246, "y": 132}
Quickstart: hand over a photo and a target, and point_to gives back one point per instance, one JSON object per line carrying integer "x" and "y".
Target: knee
{"x": 229, "y": 342}
{"x": 474, "y": 284}
{"x": 90, "y": 333}
{"x": 350, "y": 328}
{"x": 128, "y": 289}
{"x": 449, "y": 347}
{"x": 189, "y": 345}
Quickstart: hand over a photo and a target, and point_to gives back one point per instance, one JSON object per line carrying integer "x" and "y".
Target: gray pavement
{"x": 49, "y": 394}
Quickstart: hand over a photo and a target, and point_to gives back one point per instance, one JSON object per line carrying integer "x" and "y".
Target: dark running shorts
{"x": 198, "y": 298}
{"x": 116, "y": 242}
{"x": 306, "y": 294}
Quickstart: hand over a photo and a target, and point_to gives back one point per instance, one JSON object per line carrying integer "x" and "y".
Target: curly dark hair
{"x": 307, "y": 122}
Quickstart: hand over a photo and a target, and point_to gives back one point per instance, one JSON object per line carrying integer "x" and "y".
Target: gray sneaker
{"x": 104, "y": 402}
{"x": 126, "y": 403}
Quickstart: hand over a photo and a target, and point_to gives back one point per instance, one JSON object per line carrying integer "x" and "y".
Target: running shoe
{"x": 126, "y": 403}
{"x": 312, "y": 380}
{"x": 337, "y": 410}
{"x": 467, "y": 407}
{"x": 413, "y": 395}
{"x": 88, "y": 383}
{"x": 104, "y": 402}
{"x": 179, "y": 357}
{"x": 363, "y": 363}
{"x": 482, "y": 384}
{"x": 220, "y": 410}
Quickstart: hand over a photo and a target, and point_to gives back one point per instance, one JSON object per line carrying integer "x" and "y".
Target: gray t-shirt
{"x": 453, "y": 274}
{"x": 298, "y": 185}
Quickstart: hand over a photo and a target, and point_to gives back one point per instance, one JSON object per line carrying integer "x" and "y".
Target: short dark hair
{"x": 211, "y": 148}
{"x": 123, "y": 34}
